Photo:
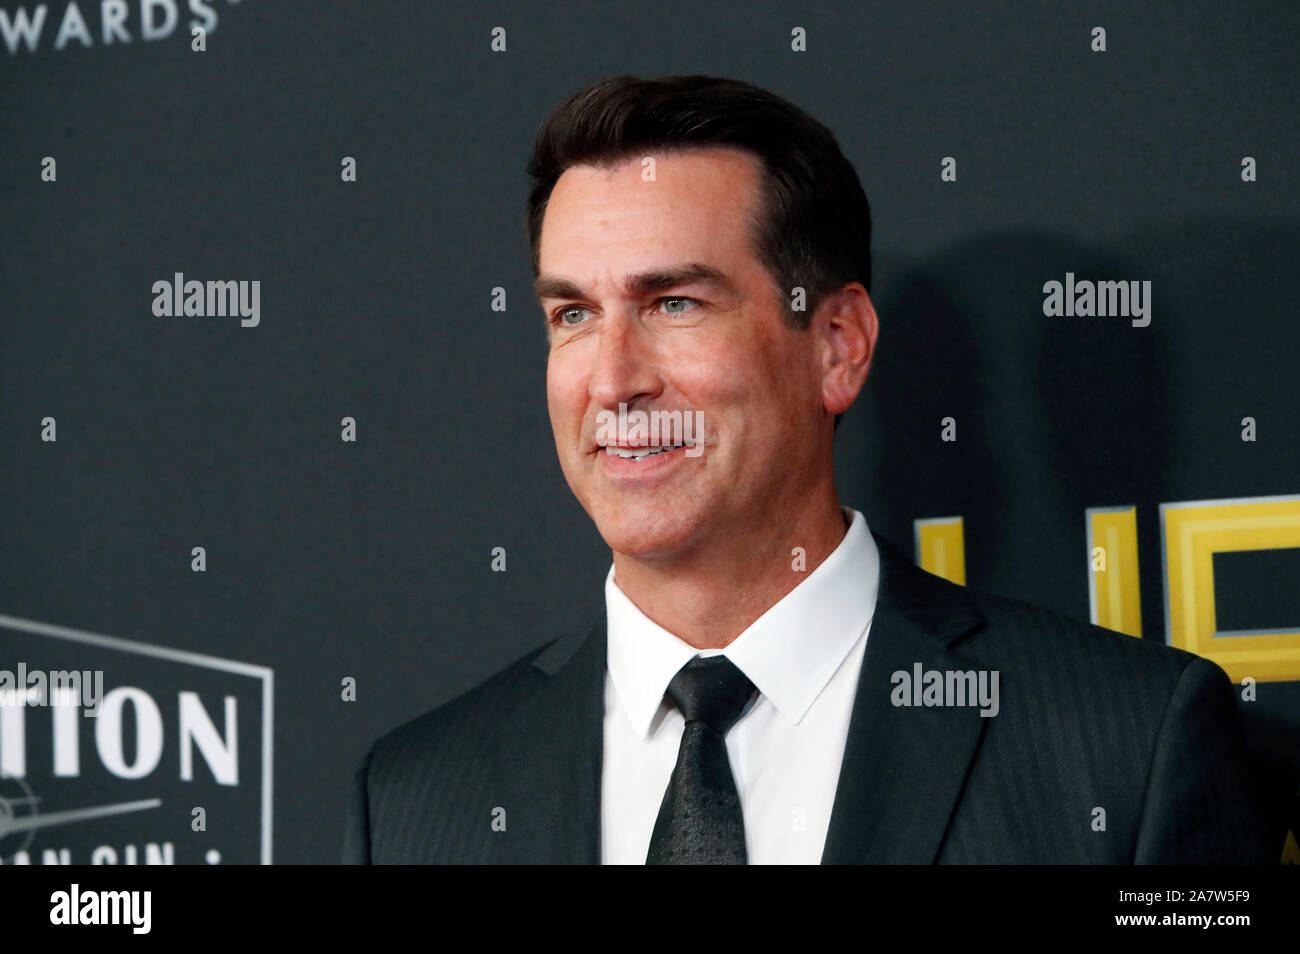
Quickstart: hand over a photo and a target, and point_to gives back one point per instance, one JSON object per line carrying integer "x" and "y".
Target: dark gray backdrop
{"x": 371, "y": 559}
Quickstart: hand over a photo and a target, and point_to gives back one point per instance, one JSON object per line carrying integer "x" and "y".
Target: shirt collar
{"x": 790, "y": 652}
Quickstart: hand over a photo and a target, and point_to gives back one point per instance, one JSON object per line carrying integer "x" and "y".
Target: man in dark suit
{"x": 768, "y": 681}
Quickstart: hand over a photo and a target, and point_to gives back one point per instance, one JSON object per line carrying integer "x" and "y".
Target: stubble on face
{"x": 718, "y": 347}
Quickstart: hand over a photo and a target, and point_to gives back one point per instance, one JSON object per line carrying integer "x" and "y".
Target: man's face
{"x": 654, "y": 298}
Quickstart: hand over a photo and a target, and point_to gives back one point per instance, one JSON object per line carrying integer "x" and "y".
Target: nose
{"x": 625, "y": 369}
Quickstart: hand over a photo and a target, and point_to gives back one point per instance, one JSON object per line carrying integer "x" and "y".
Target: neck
{"x": 711, "y": 595}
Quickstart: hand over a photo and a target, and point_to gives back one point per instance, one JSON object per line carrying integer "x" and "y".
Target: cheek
{"x": 772, "y": 394}
{"x": 565, "y": 391}
{"x": 745, "y": 379}
{"x": 708, "y": 370}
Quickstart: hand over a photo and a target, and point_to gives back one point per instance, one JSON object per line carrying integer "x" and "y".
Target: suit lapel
{"x": 903, "y": 767}
{"x": 550, "y": 757}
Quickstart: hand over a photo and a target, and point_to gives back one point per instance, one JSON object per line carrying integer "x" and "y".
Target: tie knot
{"x": 711, "y": 690}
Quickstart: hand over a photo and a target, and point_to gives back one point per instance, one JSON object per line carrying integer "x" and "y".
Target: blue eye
{"x": 680, "y": 299}
{"x": 561, "y": 318}
{"x": 561, "y": 315}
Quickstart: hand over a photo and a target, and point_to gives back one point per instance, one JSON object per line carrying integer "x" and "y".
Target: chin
{"x": 647, "y": 536}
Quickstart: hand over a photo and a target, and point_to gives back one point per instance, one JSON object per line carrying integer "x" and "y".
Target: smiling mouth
{"x": 639, "y": 453}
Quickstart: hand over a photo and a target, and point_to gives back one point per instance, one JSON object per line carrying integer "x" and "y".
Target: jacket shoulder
{"x": 459, "y": 722}
{"x": 1045, "y": 642}
{"x": 1093, "y": 718}
{"x": 420, "y": 784}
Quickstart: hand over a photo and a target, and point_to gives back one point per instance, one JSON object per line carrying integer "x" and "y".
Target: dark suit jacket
{"x": 1088, "y": 719}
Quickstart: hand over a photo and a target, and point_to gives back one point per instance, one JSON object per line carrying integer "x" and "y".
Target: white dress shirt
{"x": 804, "y": 655}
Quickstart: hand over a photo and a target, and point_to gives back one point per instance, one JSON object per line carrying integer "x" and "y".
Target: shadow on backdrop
{"x": 1054, "y": 415}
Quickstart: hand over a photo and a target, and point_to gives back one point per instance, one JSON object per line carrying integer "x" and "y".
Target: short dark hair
{"x": 814, "y": 228}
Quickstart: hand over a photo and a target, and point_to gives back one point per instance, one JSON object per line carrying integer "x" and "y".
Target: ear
{"x": 846, "y": 322}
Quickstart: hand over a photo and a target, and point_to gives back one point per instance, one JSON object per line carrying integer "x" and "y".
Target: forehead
{"x": 693, "y": 205}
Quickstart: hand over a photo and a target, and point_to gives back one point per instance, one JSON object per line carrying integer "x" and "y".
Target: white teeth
{"x": 638, "y": 453}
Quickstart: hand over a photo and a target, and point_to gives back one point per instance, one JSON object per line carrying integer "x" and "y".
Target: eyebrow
{"x": 640, "y": 284}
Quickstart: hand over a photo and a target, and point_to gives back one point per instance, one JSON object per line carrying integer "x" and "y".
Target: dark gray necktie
{"x": 700, "y": 822}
